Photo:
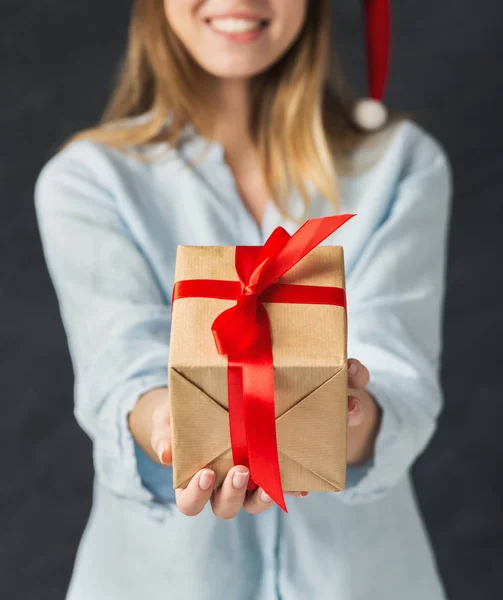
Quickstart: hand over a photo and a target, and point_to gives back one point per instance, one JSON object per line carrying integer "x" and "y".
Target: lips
{"x": 262, "y": 22}
{"x": 237, "y": 35}
{"x": 236, "y": 15}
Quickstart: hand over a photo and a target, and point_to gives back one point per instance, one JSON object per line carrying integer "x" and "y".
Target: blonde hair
{"x": 301, "y": 109}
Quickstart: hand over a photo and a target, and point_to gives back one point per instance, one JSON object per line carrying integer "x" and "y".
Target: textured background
{"x": 57, "y": 61}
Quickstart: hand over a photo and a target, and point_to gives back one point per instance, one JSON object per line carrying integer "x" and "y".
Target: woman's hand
{"x": 150, "y": 425}
{"x": 364, "y": 415}
{"x": 151, "y": 414}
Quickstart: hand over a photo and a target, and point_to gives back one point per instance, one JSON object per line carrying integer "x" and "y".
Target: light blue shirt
{"x": 110, "y": 225}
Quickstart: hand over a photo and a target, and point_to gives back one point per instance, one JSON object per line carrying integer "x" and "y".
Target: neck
{"x": 232, "y": 104}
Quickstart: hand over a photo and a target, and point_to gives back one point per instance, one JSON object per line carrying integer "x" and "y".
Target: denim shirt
{"x": 110, "y": 224}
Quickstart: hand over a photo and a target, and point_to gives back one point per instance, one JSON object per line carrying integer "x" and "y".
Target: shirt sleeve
{"x": 395, "y": 308}
{"x": 114, "y": 312}
{"x": 157, "y": 478}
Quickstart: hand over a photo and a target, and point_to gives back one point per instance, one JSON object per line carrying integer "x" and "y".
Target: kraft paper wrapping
{"x": 310, "y": 375}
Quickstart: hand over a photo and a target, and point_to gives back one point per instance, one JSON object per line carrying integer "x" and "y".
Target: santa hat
{"x": 370, "y": 113}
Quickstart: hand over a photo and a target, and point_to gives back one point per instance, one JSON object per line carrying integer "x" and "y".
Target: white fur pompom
{"x": 370, "y": 114}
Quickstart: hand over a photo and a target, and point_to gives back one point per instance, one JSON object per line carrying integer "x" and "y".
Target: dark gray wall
{"x": 57, "y": 61}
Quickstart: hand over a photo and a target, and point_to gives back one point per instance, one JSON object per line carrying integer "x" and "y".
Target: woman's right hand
{"x": 149, "y": 423}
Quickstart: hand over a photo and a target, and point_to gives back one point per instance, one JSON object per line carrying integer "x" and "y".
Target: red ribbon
{"x": 243, "y": 333}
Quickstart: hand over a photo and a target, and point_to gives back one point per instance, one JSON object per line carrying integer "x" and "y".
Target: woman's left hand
{"x": 364, "y": 415}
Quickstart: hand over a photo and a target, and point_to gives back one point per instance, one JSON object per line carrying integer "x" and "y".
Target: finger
{"x": 161, "y": 434}
{"x": 257, "y": 502}
{"x": 227, "y": 502}
{"x": 192, "y": 499}
{"x": 356, "y": 411}
{"x": 358, "y": 374}
{"x": 297, "y": 494}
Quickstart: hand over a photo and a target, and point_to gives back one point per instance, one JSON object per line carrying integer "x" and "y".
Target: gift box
{"x": 258, "y": 363}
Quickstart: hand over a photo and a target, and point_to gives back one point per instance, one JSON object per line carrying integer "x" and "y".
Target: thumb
{"x": 161, "y": 435}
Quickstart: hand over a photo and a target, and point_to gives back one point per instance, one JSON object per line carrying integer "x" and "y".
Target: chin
{"x": 236, "y": 72}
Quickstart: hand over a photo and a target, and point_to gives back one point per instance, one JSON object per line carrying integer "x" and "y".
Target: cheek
{"x": 288, "y": 22}
{"x": 180, "y": 15}
{"x": 180, "y": 12}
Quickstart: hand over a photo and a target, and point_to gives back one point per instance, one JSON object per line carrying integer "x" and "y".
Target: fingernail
{"x": 240, "y": 479}
{"x": 206, "y": 479}
{"x": 353, "y": 405}
{"x": 160, "y": 452}
{"x": 302, "y": 494}
{"x": 353, "y": 368}
{"x": 265, "y": 497}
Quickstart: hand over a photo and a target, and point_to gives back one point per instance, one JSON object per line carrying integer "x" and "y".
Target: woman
{"x": 214, "y": 138}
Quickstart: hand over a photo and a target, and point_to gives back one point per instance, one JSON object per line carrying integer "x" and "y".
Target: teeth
{"x": 235, "y": 25}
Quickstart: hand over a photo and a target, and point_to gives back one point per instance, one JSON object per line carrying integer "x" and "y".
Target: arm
{"x": 395, "y": 301}
{"x": 115, "y": 316}
{"x": 117, "y": 322}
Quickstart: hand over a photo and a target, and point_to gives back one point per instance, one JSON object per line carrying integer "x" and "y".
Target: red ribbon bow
{"x": 243, "y": 333}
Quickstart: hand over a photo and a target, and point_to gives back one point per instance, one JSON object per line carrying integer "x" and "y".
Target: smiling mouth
{"x": 260, "y": 25}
